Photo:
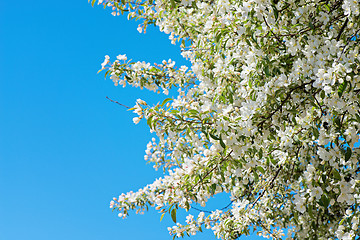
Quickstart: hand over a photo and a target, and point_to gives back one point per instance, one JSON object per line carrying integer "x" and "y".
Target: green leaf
{"x": 253, "y": 38}
{"x": 311, "y": 25}
{"x": 316, "y": 132}
{"x": 260, "y": 153}
{"x": 310, "y": 211}
{"x": 193, "y": 112}
{"x": 261, "y": 169}
{"x": 222, "y": 143}
{"x": 336, "y": 174}
{"x": 342, "y": 88}
{"x": 348, "y": 154}
{"x": 212, "y": 188}
{"x": 323, "y": 178}
{"x": 322, "y": 94}
{"x": 337, "y": 121}
{"x": 217, "y": 38}
{"x": 266, "y": 70}
{"x": 173, "y": 215}
{"x": 327, "y": 7}
{"x": 173, "y": 4}
{"x": 149, "y": 121}
{"x": 93, "y": 2}
{"x": 187, "y": 206}
{"x": 214, "y": 137}
{"x": 276, "y": 12}
{"x": 296, "y": 217}
{"x": 165, "y": 101}
{"x": 357, "y": 117}
{"x": 162, "y": 216}
{"x": 256, "y": 176}
{"x": 325, "y": 200}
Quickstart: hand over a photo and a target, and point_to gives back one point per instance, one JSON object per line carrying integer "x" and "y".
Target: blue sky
{"x": 65, "y": 150}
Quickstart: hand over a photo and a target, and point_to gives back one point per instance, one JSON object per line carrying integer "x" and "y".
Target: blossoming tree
{"x": 268, "y": 113}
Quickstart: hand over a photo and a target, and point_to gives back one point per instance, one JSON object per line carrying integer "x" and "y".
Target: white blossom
{"x": 268, "y": 113}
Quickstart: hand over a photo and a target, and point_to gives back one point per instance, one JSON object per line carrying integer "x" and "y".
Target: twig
{"x": 117, "y": 102}
{"x": 283, "y": 102}
{"x": 208, "y": 173}
{"x": 347, "y": 43}
{"x": 197, "y": 209}
{"x": 342, "y": 29}
{"x": 322, "y": 111}
{"x": 207, "y": 211}
{"x": 270, "y": 186}
{"x": 279, "y": 40}
{"x": 264, "y": 227}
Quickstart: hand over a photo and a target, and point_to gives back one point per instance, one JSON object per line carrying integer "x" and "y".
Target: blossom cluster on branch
{"x": 268, "y": 112}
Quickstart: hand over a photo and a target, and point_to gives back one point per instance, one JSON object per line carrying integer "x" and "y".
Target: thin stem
{"x": 270, "y": 186}
{"x": 282, "y": 103}
{"x": 342, "y": 29}
{"x": 208, "y": 173}
{"x": 117, "y": 102}
{"x": 279, "y": 40}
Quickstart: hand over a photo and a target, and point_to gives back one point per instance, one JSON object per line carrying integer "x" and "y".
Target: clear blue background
{"x": 65, "y": 150}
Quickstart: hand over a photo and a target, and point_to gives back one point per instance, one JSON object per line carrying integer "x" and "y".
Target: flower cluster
{"x": 268, "y": 113}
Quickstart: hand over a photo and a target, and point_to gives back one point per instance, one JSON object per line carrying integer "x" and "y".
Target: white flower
{"x": 122, "y": 57}
{"x": 300, "y": 203}
{"x": 259, "y": 109}
{"x": 106, "y": 61}
{"x": 327, "y": 89}
{"x": 136, "y": 120}
{"x": 186, "y": 2}
{"x": 316, "y": 192}
{"x": 139, "y": 29}
{"x": 140, "y": 101}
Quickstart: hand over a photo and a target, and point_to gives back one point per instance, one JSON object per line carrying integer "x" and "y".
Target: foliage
{"x": 268, "y": 112}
